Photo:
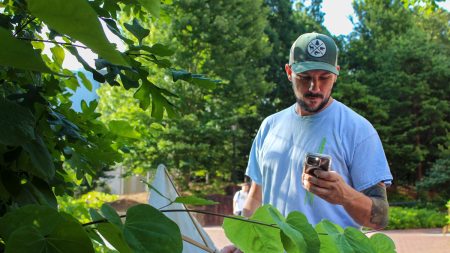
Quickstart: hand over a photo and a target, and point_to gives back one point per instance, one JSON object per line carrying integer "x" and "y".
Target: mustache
{"x": 313, "y": 95}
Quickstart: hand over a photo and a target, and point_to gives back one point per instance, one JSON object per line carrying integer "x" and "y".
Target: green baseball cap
{"x": 312, "y": 51}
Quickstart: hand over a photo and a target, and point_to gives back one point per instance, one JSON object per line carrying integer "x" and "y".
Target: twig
{"x": 216, "y": 214}
{"x": 194, "y": 211}
{"x": 221, "y": 215}
{"x": 54, "y": 42}
{"x": 24, "y": 25}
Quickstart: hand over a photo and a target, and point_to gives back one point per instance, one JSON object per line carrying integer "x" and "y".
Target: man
{"x": 240, "y": 197}
{"x": 353, "y": 193}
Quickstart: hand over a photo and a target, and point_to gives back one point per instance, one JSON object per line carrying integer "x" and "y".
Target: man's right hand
{"x": 230, "y": 249}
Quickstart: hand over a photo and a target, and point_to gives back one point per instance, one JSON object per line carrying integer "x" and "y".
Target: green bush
{"x": 79, "y": 207}
{"x": 403, "y": 218}
{"x": 448, "y": 212}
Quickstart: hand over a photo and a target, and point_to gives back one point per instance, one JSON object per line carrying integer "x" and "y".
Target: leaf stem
{"x": 54, "y": 42}
{"x": 217, "y": 214}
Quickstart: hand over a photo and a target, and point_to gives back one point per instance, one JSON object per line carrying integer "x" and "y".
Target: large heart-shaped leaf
{"x": 41, "y": 159}
{"x": 111, "y": 215}
{"x": 111, "y": 233}
{"x": 148, "y": 230}
{"x": 332, "y": 238}
{"x": 252, "y": 237}
{"x": 299, "y": 222}
{"x": 78, "y": 20}
{"x": 16, "y": 122}
{"x": 359, "y": 242}
{"x": 292, "y": 239}
{"x": 36, "y": 228}
{"x": 382, "y": 243}
{"x": 19, "y": 54}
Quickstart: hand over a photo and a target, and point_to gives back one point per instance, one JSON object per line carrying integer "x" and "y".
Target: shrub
{"x": 403, "y": 218}
{"x": 79, "y": 207}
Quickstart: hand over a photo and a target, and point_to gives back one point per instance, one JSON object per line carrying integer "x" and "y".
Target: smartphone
{"x": 315, "y": 161}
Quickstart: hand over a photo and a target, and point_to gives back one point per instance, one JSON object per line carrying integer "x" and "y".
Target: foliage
{"x": 79, "y": 207}
{"x": 437, "y": 180}
{"x": 295, "y": 234}
{"x": 401, "y": 53}
{"x": 406, "y": 218}
{"x": 48, "y": 149}
{"x": 209, "y": 142}
{"x": 448, "y": 212}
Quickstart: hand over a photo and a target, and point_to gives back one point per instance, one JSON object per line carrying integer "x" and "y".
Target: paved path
{"x": 406, "y": 241}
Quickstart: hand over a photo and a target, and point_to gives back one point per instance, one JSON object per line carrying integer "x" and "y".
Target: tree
{"x": 46, "y": 147}
{"x": 226, "y": 40}
{"x": 400, "y": 52}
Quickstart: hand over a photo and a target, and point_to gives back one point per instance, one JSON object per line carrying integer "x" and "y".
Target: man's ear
{"x": 288, "y": 70}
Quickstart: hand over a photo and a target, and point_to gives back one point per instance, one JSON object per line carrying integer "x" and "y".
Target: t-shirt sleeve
{"x": 253, "y": 166}
{"x": 369, "y": 164}
{"x": 253, "y": 169}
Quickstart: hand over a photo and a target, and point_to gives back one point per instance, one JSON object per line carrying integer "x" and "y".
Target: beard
{"x": 307, "y": 108}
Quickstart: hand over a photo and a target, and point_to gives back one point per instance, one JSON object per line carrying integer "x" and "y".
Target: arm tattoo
{"x": 379, "y": 213}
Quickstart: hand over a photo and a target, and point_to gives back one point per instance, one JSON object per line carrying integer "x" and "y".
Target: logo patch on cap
{"x": 317, "y": 48}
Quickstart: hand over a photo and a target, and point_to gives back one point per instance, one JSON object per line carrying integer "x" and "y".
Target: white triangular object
{"x": 195, "y": 239}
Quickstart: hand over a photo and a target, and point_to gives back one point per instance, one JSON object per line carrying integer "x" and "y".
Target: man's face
{"x": 312, "y": 89}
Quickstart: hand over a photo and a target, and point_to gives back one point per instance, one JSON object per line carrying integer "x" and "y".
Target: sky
{"x": 337, "y": 13}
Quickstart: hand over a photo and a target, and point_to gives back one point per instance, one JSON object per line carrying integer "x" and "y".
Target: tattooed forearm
{"x": 380, "y": 206}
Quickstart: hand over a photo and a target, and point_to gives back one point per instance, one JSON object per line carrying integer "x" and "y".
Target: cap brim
{"x": 301, "y": 67}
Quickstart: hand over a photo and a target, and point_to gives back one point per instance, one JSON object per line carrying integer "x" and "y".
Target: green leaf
{"x": 251, "y": 237}
{"x": 300, "y": 223}
{"x": 111, "y": 215}
{"x": 382, "y": 243}
{"x": 293, "y": 241}
{"x": 78, "y": 20}
{"x": 123, "y": 128}
{"x": 127, "y": 82}
{"x": 36, "y": 192}
{"x": 35, "y": 228}
{"x": 24, "y": 192}
{"x": 58, "y": 54}
{"x": 137, "y": 30}
{"x": 85, "y": 81}
{"x": 41, "y": 159}
{"x": 16, "y": 123}
{"x": 112, "y": 26}
{"x": 111, "y": 233}
{"x": 148, "y": 230}
{"x": 359, "y": 242}
{"x": 203, "y": 82}
{"x": 143, "y": 94}
{"x": 196, "y": 201}
{"x": 19, "y": 54}
{"x": 156, "y": 49}
{"x": 153, "y": 6}
{"x": 334, "y": 240}
{"x": 66, "y": 238}
{"x": 196, "y": 79}
{"x": 114, "y": 236}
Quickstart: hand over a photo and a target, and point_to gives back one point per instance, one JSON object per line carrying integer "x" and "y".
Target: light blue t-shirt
{"x": 279, "y": 148}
